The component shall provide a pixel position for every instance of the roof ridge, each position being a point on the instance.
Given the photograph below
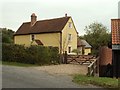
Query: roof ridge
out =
(26, 22)
(50, 19)
(116, 19)
(54, 18)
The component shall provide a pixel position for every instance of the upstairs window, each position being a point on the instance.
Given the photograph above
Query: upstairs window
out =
(69, 49)
(69, 37)
(32, 37)
(70, 24)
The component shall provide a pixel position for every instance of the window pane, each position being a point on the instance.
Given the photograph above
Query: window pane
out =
(69, 36)
(33, 37)
(70, 25)
(69, 49)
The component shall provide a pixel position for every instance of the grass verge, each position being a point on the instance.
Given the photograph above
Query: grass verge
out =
(17, 64)
(0, 62)
(98, 81)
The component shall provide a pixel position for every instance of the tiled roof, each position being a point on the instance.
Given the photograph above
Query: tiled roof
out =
(115, 27)
(83, 43)
(38, 42)
(43, 26)
(79, 43)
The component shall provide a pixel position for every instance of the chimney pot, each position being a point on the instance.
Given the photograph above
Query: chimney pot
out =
(33, 19)
(66, 15)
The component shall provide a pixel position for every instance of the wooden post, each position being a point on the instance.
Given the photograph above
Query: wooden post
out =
(98, 66)
(88, 71)
(83, 49)
(65, 57)
(61, 57)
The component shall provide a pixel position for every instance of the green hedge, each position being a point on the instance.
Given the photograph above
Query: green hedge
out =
(32, 55)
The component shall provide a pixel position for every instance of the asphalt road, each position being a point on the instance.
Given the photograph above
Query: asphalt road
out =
(28, 77)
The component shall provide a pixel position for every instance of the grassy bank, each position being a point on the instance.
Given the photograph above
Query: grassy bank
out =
(98, 81)
(17, 64)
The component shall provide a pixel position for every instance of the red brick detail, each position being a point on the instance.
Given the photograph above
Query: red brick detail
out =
(105, 56)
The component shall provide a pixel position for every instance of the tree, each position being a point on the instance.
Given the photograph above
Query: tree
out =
(7, 35)
(81, 37)
(97, 35)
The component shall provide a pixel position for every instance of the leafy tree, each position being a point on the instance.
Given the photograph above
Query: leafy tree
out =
(97, 35)
(81, 37)
(7, 35)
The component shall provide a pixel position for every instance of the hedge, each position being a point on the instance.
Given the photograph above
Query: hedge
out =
(32, 55)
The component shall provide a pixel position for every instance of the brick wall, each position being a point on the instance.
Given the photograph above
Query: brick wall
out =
(105, 56)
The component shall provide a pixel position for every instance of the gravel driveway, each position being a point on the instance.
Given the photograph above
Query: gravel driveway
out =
(64, 69)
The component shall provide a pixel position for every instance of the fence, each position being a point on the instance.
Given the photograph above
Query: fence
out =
(93, 68)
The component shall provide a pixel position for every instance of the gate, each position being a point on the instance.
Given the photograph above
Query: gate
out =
(92, 61)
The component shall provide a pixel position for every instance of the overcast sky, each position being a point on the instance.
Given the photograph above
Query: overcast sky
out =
(83, 12)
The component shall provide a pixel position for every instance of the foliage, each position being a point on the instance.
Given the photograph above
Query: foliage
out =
(17, 64)
(32, 55)
(99, 81)
(76, 51)
(7, 35)
(81, 37)
(97, 35)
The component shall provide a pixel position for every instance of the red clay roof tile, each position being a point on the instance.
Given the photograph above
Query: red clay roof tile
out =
(115, 27)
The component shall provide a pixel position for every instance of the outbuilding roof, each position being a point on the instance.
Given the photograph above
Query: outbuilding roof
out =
(81, 42)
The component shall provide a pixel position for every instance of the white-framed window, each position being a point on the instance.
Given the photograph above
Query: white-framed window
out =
(32, 37)
(69, 49)
(70, 24)
(69, 37)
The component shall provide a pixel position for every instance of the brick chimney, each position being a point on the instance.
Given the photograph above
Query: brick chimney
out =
(66, 15)
(33, 19)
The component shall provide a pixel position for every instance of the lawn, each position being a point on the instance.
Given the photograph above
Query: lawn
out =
(17, 64)
(98, 81)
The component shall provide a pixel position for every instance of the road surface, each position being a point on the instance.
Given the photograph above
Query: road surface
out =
(29, 77)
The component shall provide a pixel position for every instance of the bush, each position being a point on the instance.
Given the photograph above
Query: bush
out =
(32, 55)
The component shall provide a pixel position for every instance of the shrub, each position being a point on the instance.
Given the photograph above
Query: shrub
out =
(77, 51)
(33, 55)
